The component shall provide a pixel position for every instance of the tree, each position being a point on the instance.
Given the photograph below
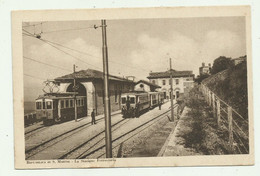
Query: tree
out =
(201, 78)
(221, 63)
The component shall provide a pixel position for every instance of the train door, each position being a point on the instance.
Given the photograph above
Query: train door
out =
(59, 108)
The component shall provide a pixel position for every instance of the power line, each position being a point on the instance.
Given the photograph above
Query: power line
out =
(71, 48)
(35, 77)
(69, 54)
(51, 44)
(34, 24)
(28, 33)
(62, 50)
(65, 30)
(92, 55)
(46, 64)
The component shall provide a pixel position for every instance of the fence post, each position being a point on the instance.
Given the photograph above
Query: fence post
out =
(218, 112)
(209, 98)
(230, 127)
(213, 105)
(207, 95)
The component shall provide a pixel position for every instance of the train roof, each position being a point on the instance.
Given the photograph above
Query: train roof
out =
(58, 95)
(136, 93)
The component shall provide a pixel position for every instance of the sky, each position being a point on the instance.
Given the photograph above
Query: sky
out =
(135, 46)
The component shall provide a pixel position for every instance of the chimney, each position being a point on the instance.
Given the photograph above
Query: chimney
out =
(203, 64)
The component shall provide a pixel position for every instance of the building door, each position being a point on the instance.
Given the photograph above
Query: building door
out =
(177, 94)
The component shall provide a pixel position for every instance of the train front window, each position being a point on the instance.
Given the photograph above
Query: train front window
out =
(43, 105)
(48, 105)
(67, 103)
(123, 100)
(71, 103)
(62, 103)
(132, 100)
(38, 105)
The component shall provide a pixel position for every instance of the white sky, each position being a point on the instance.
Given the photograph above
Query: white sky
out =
(135, 47)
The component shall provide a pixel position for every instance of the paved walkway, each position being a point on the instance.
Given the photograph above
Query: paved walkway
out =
(173, 145)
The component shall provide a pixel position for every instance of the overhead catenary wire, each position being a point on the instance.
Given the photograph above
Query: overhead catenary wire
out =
(77, 58)
(65, 30)
(55, 43)
(58, 44)
(35, 77)
(46, 63)
(34, 24)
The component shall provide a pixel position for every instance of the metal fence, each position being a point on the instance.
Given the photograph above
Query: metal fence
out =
(30, 118)
(229, 120)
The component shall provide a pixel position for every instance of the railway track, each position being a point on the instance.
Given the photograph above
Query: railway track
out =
(34, 131)
(50, 142)
(99, 144)
(96, 137)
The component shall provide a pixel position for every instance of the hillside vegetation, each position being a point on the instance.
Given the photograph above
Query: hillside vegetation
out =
(231, 86)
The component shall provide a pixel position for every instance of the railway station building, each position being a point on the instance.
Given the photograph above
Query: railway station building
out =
(146, 86)
(90, 84)
(183, 81)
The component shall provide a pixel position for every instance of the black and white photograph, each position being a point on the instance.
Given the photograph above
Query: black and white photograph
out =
(141, 91)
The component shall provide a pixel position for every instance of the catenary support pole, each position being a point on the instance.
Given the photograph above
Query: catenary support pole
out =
(171, 90)
(75, 98)
(106, 98)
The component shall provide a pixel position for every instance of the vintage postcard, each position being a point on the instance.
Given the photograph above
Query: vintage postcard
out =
(132, 87)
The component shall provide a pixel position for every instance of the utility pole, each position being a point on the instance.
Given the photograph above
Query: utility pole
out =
(75, 89)
(171, 95)
(106, 86)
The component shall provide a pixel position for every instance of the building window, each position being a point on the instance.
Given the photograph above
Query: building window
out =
(177, 81)
(153, 81)
(163, 82)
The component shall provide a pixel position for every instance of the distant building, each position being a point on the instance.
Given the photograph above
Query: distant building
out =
(146, 86)
(182, 81)
(204, 69)
(90, 84)
(132, 78)
(239, 60)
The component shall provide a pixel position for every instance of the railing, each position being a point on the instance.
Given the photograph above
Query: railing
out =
(228, 119)
(30, 118)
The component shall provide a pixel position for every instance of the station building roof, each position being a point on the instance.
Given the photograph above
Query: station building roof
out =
(166, 74)
(148, 83)
(89, 74)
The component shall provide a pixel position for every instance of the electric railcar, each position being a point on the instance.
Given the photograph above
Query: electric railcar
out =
(54, 108)
(133, 104)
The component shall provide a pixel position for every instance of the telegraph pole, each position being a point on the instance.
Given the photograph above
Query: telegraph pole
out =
(106, 86)
(171, 95)
(75, 98)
